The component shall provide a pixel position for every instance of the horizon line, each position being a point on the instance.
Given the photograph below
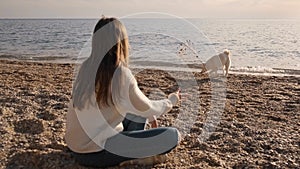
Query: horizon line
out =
(92, 18)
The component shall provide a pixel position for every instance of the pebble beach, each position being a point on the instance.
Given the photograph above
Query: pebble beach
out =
(258, 128)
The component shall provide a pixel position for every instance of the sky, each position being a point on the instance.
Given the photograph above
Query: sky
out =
(121, 8)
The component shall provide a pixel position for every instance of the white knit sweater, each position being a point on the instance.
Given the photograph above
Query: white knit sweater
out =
(89, 128)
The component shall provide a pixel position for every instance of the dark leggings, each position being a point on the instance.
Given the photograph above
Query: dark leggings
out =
(133, 142)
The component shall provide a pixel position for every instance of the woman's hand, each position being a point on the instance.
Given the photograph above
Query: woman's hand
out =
(175, 97)
(154, 124)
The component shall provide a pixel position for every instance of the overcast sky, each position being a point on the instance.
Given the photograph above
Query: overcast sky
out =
(119, 8)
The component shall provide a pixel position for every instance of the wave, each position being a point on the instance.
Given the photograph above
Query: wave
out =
(253, 70)
(162, 65)
(259, 70)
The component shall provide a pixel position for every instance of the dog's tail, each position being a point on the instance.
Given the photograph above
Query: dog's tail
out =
(227, 52)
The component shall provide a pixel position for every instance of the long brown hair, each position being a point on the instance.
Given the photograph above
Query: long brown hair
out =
(109, 50)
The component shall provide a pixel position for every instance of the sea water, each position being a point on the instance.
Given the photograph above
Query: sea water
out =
(256, 45)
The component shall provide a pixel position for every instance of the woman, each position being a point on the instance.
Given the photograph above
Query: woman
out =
(108, 112)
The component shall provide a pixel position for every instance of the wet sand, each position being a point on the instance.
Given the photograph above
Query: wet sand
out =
(258, 128)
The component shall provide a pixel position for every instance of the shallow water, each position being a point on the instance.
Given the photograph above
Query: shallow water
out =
(257, 45)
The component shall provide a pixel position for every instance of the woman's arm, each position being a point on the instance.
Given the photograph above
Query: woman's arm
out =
(128, 98)
(145, 107)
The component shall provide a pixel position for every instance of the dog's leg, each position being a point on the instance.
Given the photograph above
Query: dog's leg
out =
(226, 74)
(223, 69)
(227, 66)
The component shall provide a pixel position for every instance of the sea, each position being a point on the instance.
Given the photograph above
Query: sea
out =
(257, 46)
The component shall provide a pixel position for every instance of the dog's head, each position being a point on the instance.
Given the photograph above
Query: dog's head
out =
(226, 52)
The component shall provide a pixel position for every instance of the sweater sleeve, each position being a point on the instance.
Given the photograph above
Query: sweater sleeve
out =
(133, 100)
(145, 107)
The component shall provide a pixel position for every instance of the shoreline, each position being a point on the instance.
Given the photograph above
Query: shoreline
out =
(249, 70)
(258, 127)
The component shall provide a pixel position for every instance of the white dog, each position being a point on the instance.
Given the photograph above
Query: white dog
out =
(216, 62)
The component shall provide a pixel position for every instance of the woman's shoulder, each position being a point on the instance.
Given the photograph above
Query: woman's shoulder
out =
(123, 75)
(124, 71)
(124, 68)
